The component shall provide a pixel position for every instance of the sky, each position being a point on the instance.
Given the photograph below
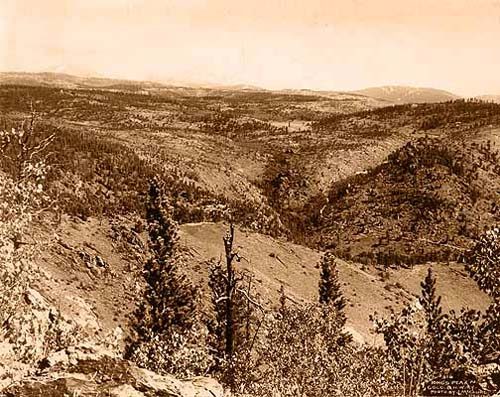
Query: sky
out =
(275, 44)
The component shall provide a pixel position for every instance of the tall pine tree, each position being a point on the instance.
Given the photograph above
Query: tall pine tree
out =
(437, 335)
(331, 297)
(170, 296)
(167, 313)
(329, 286)
(431, 302)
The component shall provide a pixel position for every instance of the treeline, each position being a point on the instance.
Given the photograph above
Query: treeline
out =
(224, 124)
(456, 114)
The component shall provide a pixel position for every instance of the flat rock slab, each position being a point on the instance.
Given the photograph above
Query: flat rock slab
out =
(104, 376)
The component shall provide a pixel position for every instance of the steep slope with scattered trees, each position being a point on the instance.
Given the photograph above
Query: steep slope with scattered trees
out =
(427, 202)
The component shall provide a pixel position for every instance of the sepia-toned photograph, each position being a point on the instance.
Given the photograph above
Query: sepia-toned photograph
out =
(265, 198)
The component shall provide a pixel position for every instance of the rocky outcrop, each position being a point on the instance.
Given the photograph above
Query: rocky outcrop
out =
(488, 376)
(90, 371)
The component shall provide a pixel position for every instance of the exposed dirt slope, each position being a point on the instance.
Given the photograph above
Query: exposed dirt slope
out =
(91, 272)
(275, 263)
(100, 298)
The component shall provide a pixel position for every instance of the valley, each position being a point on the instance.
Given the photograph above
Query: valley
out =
(391, 187)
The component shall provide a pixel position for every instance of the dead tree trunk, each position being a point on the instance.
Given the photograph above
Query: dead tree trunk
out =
(230, 286)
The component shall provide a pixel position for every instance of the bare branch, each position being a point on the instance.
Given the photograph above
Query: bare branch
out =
(255, 303)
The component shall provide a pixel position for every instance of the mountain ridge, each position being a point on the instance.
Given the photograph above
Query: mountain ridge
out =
(407, 94)
(390, 94)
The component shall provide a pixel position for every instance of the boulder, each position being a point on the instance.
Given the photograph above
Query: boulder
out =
(88, 370)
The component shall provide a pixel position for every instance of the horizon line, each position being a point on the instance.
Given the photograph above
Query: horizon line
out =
(214, 85)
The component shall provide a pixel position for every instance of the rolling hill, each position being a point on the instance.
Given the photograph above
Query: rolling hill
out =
(375, 96)
(401, 94)
(62, 80)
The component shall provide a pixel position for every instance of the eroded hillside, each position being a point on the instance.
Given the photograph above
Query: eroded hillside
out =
(441, 193)
(91, 271)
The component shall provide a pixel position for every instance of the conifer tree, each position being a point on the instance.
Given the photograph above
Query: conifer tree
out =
(437, 335)
(170, 296)
(431, 303)
(282, 306)
(483, 262)
(167, 316)
(332, 300)
(329, 287)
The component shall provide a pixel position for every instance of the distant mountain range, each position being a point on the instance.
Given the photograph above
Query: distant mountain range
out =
(388, 94)
(401, 94)
(69, 81)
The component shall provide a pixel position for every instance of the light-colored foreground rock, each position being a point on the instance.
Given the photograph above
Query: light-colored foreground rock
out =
(88, 371)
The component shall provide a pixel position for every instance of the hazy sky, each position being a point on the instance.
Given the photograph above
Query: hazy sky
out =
(318, 44)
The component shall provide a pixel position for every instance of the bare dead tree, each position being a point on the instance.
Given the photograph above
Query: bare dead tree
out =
(235, 328)
(24, 147)
(230, 287)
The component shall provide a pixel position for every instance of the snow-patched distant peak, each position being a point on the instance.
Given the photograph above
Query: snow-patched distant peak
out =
(401, 94)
